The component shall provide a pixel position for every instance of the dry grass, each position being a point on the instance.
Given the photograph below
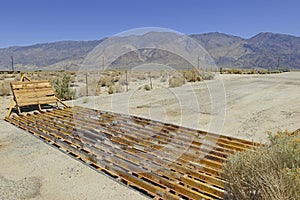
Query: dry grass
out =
(122, 80)
(192, 75)
(106, 81)
(164, 77)
(176, 81)
(119, 88)
(251, 71)
(112, 89)
(270, 172)
(112, 81)
(141, 76)
(207, 75)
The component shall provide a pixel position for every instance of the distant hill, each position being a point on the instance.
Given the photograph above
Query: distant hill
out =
(56, 55)
(260, 51)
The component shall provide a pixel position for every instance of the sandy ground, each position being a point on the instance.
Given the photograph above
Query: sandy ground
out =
(255, 104)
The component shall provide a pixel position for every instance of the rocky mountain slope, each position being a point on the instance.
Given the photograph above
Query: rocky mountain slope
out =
(260, 51)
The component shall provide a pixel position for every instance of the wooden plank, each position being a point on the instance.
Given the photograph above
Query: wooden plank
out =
(28, 82)
(34, 91)
(11, 106)
(153, 144)
(128, 143)
(122, 146)
(35, 98)
(27, 93)
(21, 99)
(150, 145)
(137, 160)
(136, 181)
(212, 166)
(31, 84)
(185, 130)
(36, 101)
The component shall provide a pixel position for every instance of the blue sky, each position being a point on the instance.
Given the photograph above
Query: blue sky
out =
(25, 22)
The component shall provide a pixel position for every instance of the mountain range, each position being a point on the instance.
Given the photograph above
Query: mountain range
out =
(264, 50)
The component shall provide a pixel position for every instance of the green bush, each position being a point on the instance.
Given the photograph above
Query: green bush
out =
(62, 88)
(269, 172)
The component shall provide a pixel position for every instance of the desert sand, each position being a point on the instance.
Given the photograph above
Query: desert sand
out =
(255, 104)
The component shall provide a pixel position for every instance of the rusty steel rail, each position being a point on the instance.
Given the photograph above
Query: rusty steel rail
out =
(161, 160)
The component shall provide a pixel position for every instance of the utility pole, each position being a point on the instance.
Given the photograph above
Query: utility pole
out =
(278, 60)
(12, 63)
(198, 65)
(86, 82)
(103, 63)
(127, 81)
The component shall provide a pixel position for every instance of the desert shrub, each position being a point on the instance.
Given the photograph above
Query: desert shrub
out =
(105, 80)
(119, 88)
(252, 71)
(164, 77)
(192, 76)
(98, 90)
(112, 89)
(207, 75)
(115, 78)
(123, 81)
(147, 87)
(141, 76)
(155, 75)
(114, 73)
(62, 88)
(263, 71)
(269, 172)
(234, 71)
(17, 77)
(115, 89)
(4, 88)
(176, 81)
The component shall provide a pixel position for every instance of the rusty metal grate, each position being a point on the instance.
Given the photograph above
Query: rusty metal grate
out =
(163, 161)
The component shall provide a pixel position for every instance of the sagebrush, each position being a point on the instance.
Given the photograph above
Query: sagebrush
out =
(270, 172)
(62, 88)
(176, 81)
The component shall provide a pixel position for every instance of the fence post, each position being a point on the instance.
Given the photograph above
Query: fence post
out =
(86, 82)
